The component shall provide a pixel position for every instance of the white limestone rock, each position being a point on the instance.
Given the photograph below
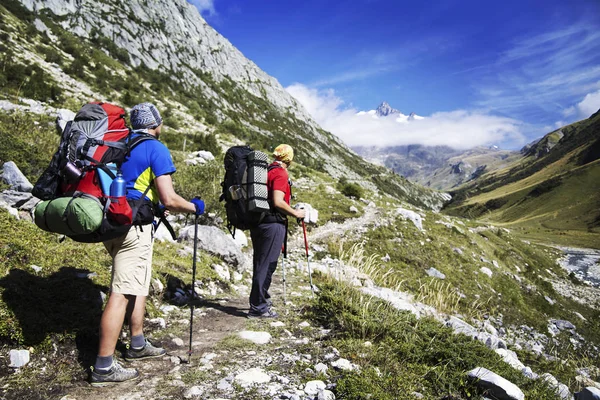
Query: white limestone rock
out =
(19, 358)
(214, 241)
(495, 385)
(411, 216)
(255, 337)
(253, 376)
(312, 388)
(486, 271)
(12, 176)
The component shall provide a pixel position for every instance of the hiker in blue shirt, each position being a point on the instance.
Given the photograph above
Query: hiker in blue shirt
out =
(149, 164)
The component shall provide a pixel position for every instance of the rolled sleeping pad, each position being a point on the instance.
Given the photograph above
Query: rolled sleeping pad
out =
(69, 215)
(255, 179)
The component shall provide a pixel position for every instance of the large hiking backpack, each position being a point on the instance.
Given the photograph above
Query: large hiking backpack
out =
(75, 186)
(245, 187)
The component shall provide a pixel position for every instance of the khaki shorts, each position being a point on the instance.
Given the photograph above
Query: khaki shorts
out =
(132, 261)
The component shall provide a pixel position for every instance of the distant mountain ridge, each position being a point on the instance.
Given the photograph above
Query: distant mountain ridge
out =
(437, 167)
(553, 184)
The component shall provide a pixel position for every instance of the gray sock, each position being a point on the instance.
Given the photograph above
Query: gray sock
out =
(138, 342)
(103, 363)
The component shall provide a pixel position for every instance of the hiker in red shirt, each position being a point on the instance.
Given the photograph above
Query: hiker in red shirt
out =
(268, 236)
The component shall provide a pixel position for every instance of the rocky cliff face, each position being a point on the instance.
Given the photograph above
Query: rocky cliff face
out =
(171, 36)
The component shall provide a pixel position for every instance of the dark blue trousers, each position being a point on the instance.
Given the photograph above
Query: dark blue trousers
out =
(267, 240)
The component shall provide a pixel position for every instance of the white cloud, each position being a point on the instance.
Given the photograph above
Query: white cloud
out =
(460, 129)
(204, 6)
(546, 72)
(589, 105)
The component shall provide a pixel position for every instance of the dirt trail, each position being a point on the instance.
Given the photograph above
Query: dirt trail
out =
(321, 233)
(213, 321)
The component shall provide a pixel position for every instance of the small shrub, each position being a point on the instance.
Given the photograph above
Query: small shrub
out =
(352, 190)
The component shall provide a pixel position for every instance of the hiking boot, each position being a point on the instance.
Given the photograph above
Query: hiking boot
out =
(148, 351)
(267, 314)
(116, 374)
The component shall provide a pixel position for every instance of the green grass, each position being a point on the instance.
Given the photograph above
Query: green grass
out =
(33, 140)
(60, 300)
(406, 354)
(412, 253)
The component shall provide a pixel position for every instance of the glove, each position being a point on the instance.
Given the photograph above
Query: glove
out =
(199, 203)
(160, 210)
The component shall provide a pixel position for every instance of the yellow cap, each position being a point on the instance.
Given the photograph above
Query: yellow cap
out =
(284, 152)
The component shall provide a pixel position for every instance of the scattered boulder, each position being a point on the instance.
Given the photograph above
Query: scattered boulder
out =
(561, 389)
(36, 268)
(14, 198)
(255, 337)
(321, 368)
(12, 211)
(222, 272)
(12, 176)
(511, 358)
(343, 364)
(495, 385)
(19, 358)
(214, 241)
(353, 209)
(62, 117)
(312, 388)
(162, 234)
(326, 395)
(486, 271)
(199, 157)
(240, 238)
(460, 326)
(194, 391)
(252, 376)
(434, 273)
(412, 216)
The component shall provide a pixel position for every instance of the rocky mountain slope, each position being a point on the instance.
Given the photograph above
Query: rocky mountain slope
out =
(439, 167)
(63, 53)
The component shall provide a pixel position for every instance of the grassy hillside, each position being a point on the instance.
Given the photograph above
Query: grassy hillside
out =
(551, 193)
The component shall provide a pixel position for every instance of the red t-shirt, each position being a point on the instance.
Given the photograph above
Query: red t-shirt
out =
(277, 179)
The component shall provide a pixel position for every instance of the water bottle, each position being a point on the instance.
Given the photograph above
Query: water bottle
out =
(118, 187)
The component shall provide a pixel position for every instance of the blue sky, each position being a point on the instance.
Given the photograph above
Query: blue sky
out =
(502, 72)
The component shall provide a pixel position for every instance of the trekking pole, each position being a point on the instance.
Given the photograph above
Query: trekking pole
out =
(283, 269)
(312, 288)
(193, 287)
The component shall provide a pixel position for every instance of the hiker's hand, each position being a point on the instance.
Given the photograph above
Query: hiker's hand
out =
(300, 213)
(199, 204)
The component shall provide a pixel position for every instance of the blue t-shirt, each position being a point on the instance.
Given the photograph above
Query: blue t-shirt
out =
(147, 160)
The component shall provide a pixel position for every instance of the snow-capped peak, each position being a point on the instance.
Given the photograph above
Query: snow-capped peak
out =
(385, 109)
